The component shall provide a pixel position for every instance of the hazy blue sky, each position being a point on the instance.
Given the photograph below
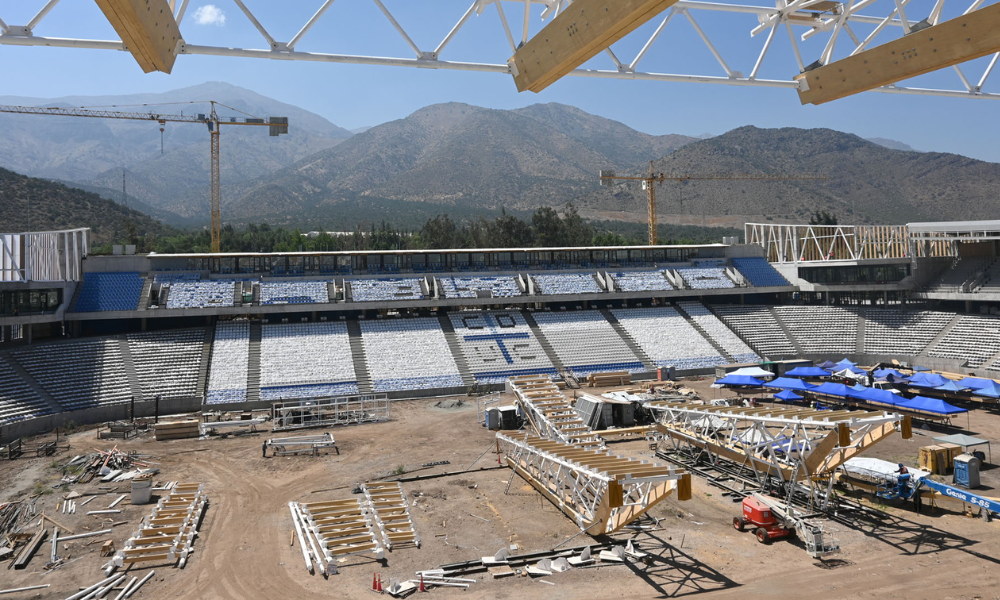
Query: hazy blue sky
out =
(353, 96)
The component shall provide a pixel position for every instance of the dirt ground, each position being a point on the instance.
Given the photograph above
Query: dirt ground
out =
(243, 550)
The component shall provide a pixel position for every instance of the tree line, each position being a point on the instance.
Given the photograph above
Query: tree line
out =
(546, 227)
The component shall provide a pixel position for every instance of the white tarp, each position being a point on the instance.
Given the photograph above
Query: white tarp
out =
(752, 372)
(879, 470)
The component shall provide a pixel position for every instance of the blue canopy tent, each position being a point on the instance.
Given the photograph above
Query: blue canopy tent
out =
(831, 389)
(990, 391)
(931, 405)
(927, 380)
(976, 383)
(874, 395)
(885, 373)
(844, 364)
(789, 383)
(740, 380)
(826, 364)
(807, 372)
(949, 386)
(851, 368)
(787, 395)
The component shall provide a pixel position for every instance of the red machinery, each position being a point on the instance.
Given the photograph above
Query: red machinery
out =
(759, 516)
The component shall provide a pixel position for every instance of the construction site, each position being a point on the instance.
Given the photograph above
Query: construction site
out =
(461, 515)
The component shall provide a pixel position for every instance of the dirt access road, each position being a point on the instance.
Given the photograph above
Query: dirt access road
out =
(244, 551)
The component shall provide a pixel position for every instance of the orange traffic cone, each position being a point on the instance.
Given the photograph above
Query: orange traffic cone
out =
(421, 589)
(375, 582)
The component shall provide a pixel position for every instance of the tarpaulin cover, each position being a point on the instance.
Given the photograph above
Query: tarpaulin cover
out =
(789, 383)
(807, 372)
(739, 380)
(883, 373)
(929, 380)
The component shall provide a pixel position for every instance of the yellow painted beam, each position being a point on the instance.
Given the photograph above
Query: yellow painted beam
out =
(582, 30)
(148, 29)
(950, 43)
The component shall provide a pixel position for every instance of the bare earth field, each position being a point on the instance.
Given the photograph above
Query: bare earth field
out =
(243, 550)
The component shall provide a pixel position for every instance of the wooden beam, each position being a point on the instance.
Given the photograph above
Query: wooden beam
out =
(955, 41)
(148, 30)
(575, 36)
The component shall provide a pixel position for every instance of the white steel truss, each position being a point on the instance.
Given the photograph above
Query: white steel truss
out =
(818, 32)
(325, 412)
(549, 413)
(794, 446)
(600, 491)
(784, 243)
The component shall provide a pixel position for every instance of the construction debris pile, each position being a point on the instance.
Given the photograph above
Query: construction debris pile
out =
(369, 526)
(14, 516)
(111, 466)
(167, 534)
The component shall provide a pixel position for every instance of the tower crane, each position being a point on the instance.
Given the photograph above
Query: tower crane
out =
(277, 125)
(608, 177)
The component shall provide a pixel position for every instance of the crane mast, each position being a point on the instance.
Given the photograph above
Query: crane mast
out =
(608, 177)
(277, 126)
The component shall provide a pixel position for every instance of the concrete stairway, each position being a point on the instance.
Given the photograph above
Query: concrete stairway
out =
(468, 379)
(718, 347)
(331, 291)
(253, 363)
(937, 339)
(862, 323)
(358, 355)
(544, 343)
(788, 332)
(646, 361)
(238, 294)
(206, 361)
(36, 387)
(130, 372)
(147, 284)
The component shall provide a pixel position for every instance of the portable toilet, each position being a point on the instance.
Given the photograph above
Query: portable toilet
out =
(967, 471)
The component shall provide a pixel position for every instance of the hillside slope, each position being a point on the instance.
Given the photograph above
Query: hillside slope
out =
(31, 204)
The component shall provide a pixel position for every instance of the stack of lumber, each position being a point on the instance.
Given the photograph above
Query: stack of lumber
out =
(609, 379)
(392, 515)
(176, 430)
(166, 535)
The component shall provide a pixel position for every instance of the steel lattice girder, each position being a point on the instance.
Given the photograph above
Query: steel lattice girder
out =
(793, 444)
(600, 491)
(549, 413)
(821, 30)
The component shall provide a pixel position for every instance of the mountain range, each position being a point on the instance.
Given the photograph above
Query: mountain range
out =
(466, 161)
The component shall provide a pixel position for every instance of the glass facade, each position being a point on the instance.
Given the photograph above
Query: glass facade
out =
(855, 274)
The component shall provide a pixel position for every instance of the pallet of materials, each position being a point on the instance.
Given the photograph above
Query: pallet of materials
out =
(176, 430)
(609, 379)
(168, 532)
(330, 530)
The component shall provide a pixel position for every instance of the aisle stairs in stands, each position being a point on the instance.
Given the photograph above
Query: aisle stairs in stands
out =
(859, 345)
(544, 343)
(129, 365)
(331, 291)
(358, 356)
(788, 332)
(147, 285)
(253, 363)
(646, 362)
(701, 330)
(944, 332)
(468, 379)
(206, 360)
(54, 405)
(238, 294)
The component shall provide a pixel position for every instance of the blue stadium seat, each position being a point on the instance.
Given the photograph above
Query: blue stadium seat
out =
(109, 291)
(759, 272)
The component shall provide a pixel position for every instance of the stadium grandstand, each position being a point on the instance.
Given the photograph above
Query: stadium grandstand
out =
(87, 337)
